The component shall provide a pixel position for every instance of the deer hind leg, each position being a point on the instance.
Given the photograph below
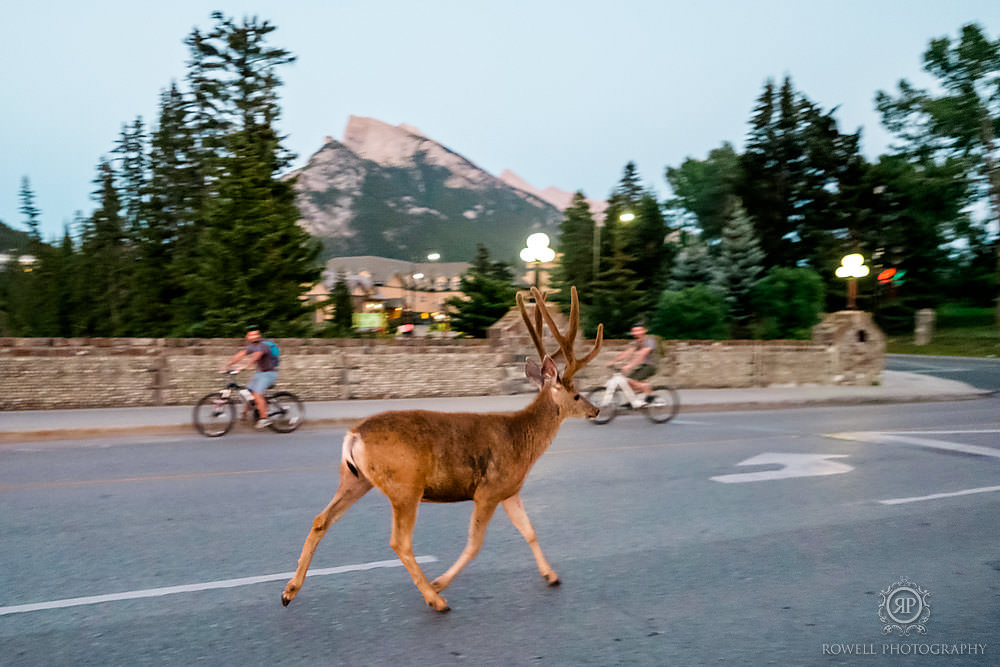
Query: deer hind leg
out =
(515, 510)
(481, 515)
(351, 488)
(404, 517)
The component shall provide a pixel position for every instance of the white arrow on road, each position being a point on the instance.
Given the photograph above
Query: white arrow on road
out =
(792, 465)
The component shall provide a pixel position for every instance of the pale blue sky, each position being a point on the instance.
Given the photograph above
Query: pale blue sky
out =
(563, 93)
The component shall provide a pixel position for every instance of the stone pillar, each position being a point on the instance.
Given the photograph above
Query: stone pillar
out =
(924, 330)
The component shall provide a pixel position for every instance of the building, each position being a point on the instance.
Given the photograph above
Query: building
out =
(384, 289)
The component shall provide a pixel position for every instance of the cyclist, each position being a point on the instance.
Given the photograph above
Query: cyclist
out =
(638, 361)
(257, 352)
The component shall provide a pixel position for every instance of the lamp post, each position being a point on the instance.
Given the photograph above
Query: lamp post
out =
(851, 268)
(537, 250)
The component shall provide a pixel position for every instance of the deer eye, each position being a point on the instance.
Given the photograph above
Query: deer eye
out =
(577, 397)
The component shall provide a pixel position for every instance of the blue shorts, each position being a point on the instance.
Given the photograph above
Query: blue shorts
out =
(261, 380)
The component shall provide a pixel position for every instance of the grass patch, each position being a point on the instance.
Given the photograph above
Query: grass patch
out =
(961, 331)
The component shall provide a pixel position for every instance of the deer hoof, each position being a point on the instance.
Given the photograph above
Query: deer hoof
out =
(552, 578)
(285, 600)
(439, 604)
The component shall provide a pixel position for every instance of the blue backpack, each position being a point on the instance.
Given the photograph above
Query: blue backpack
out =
(275, 352)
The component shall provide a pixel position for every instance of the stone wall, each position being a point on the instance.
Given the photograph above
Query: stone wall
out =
(40, 373)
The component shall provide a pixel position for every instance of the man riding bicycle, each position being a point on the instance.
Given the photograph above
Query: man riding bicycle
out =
(259, 352)
(639, 360)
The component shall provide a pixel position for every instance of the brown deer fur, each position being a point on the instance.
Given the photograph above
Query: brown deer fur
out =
(416, 456)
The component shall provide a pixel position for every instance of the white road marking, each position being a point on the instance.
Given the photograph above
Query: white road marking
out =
(793, 465)
(902, 438)
(206, 586)
(936, 496)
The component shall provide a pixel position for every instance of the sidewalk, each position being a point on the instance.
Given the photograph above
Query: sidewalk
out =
(896, 387)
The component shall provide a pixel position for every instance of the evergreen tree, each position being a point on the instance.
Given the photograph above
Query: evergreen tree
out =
(488, 296)
(617, 299)
(795, 166)
(740, 266)
(132, 175)
(32, 308)
(252, 260)
(104, 261)
(645, 242)
(624, 200)
(575, 265)
(167, 243)
(692, 266)
(30, 211)
(342, 324)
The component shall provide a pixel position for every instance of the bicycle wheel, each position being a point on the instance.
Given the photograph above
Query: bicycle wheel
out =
(606, 412)
(214, 415)
(664, 405)
(285, 411)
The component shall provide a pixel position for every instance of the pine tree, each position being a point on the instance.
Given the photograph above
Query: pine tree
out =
(30, 211)
(132, 175)
(645, 242)
(252, 260)
(342, 324)
(617, 300)
(575, 265)
(167, 244)
(740, 266)
(488, 296)
(692, 266)
(104, 261)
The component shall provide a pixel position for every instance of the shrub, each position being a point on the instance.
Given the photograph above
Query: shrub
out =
(697, 312)
(787, 303)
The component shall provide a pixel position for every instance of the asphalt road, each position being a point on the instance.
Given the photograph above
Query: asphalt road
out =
(670, 551)
(979, 372)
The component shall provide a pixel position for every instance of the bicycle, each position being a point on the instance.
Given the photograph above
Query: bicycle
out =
(215, 414)
(660, 405)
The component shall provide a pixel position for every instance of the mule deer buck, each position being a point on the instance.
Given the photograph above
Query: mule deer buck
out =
(416, 456)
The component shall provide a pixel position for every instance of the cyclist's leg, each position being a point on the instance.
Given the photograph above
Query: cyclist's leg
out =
(258, 384)
(636, 379)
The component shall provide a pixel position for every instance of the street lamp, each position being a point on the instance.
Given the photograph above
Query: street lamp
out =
(851, 268)
(537, 250)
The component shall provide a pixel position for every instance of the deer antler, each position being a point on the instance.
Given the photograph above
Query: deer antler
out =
(534, 330)
(565, 341)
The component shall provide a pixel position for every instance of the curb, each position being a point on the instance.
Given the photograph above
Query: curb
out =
(74, 433)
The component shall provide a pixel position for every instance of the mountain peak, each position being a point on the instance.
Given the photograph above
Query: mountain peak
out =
(387, 145)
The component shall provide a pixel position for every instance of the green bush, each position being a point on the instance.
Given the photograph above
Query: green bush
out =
(693, 313)
(787, 303)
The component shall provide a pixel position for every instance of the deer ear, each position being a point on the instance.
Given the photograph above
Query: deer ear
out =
(533, 373)
(550, 372)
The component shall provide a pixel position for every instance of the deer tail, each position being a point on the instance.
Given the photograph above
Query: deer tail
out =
(351, 443)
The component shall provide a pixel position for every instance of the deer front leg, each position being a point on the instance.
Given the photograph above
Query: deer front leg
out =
(481, 515)
(350, 490)
(404, 517)
(515, 510)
